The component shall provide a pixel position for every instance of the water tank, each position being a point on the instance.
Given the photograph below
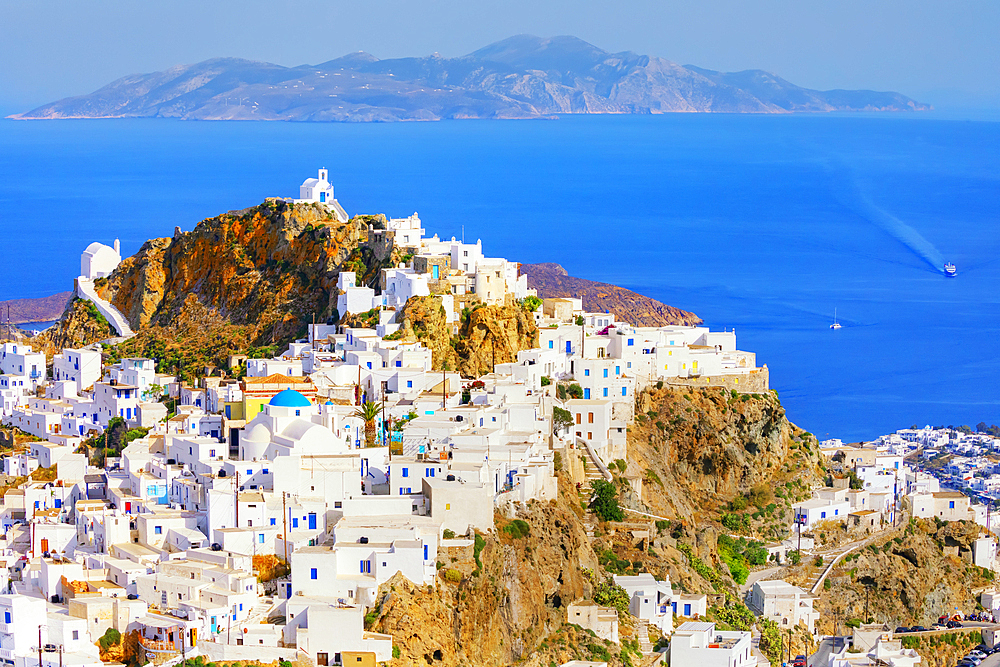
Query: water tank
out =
(450, 478)
(363, 540)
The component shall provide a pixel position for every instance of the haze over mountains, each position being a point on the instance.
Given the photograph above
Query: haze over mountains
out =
(519, 77)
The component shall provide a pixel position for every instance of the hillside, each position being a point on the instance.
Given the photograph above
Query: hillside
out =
(552, 280)
(44, 309)
(519, 77)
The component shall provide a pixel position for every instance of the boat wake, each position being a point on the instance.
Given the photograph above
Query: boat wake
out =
(902, 232)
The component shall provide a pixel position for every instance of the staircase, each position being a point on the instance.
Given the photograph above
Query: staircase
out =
(85, 290)
(642, 630)
(594, 468)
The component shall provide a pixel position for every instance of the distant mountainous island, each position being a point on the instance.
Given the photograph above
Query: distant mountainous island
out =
(519, 77)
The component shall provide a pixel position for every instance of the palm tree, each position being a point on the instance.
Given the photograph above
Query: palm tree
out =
(368, 412)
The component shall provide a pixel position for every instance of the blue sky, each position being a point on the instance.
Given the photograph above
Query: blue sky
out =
(943, 52)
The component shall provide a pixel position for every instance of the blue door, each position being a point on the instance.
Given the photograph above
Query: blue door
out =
(214, 625)
(569, 347)
(586, 394)
(687, 610)
(312, 521)
(434, 272)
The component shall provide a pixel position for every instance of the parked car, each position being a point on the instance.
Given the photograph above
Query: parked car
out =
(799, 661)
(975, 660)
(901, 629)
(954, 624)
(918, 628)
(978, 654)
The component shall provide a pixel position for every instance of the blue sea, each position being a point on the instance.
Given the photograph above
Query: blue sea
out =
(765, 224)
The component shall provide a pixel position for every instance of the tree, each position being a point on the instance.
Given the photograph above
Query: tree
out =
(531, 303)
(153, 393)
(579, 320)
(604, 502)
(368, 412)
(561, 419)
(575, 391)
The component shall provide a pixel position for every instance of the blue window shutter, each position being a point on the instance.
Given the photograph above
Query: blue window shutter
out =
(399, 364)
(406, 472)
(425, 552)
(586, 372)
(551, 344)
(605, 392)
(586, 393)
(631, 342)
(313, 574)
(605, 372)
(295, 522)
(569, 347)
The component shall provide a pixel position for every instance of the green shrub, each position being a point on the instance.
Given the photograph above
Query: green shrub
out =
(452, 575)
(480, 542)
(449, 534)
(605, 501)
(517, 529)
(110, 638)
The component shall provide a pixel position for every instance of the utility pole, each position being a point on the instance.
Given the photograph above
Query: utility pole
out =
(236, 497)
(60, 655)
(39, 636)
(284, 525)
(444, 389)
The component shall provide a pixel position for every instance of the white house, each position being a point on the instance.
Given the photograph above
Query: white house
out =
(650, 600)
(80, 366)
(319, 191)
(603, 621)
(784, 604)
(700, 644)
(21, 616)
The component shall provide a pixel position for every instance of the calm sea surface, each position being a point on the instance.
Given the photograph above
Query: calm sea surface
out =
(762, 223)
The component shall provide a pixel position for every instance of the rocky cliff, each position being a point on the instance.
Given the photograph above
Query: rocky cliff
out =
(270, 267)
(80, 325)
(510, 608)
(701, 447)
(910, 577)
(486, 334)
(552, 280)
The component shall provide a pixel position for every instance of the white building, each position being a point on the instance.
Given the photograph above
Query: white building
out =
(786, 605)
(320, 191)
(700, 644)
(99, 260)
(79, 366)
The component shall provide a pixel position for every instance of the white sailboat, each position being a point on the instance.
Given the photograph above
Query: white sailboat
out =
(836, 324)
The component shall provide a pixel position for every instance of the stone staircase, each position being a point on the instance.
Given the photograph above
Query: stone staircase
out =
(642, 630)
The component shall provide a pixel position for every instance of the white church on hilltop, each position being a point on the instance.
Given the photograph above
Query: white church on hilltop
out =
(319, 191)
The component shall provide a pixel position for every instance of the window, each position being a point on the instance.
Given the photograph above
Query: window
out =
(366, 567)
(551, 344)
(631, 342)
(579, 417)
(429, 472)
(273, 521)
(590, 417)
(624, 391)
(295, 522)
(157, 530)
(590, 436)
(951, 504)
(298, 413)
(399, 363)
(249, 472)
(605, 372)
(447, 506)
(76, 634)
(586, 372)
(6, 617)
(369, 364)
(211, 453)
(313, 574)
(605, 392)
(425, 557)
(406, 472)
(822, 515)
(409, 384)
(260, 538)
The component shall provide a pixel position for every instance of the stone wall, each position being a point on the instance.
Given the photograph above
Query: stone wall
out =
(756, 381)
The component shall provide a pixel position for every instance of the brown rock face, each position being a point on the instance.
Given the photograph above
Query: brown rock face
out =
(271, 267)
(707, 446)
(486, 335)
(552, 280)
(500, 615)
(80, 325)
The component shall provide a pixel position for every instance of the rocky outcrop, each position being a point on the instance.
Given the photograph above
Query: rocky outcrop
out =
(913, 576)
(705, 446)
(81, 325)
(510, 610)
(552, 280)
(486, 334)
(270, 268)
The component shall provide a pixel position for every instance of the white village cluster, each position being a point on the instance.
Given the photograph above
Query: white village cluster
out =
(162, 539)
